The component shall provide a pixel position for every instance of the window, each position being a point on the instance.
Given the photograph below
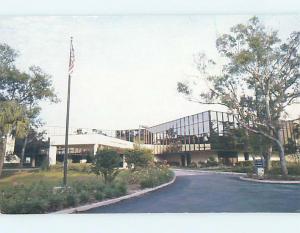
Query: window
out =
(205, 116)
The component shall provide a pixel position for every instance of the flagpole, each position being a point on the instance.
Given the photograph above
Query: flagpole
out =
(67, 126)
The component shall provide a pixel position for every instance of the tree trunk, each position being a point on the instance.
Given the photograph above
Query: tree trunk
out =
(269, 118)
(283, 166)
(246, 146)
(268, 156)
(23, 151)
(2, 153)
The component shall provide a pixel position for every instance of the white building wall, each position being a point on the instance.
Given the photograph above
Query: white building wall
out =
(52, 155)
(97, 140)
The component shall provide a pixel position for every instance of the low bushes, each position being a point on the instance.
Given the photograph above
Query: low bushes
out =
(293, 168)
(155, 176)
(41, 197)
(243, 167)
(148, 177)
(192, 165)
(211, 162)
(138, 158)
(76, 167)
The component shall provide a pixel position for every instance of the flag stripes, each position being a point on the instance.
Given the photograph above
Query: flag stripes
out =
(72, 58)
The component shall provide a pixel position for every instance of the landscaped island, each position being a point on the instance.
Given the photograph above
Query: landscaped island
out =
(41, 191)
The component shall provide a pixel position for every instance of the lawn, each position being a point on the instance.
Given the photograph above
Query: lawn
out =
(50, 177)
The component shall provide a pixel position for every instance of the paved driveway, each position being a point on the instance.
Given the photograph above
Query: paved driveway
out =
(195, 192)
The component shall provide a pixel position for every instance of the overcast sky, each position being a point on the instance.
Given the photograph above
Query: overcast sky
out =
(127, 66)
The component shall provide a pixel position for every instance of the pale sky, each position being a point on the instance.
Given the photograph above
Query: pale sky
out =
(127, 66)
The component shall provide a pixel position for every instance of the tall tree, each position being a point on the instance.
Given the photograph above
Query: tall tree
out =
(259, 79)
(12, 122)
(27, 89)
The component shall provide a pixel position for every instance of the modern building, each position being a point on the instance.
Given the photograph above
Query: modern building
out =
(190, 139)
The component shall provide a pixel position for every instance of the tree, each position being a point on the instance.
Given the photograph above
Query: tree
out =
(106, 163)
(27, 89)
(140, 158)
(12, 121)
(35, 144)
(259, 79)
(174, 144)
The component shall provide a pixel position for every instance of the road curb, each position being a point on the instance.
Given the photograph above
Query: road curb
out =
(112, 201)
(271, 181)
(214, 172)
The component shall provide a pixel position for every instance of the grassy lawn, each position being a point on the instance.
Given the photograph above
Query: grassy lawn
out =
(50, 177)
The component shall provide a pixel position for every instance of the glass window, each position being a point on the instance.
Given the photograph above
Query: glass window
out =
(205, 116)
(186, 121)
(196, 129)
(206, 127)
(221, 128)
(214, 126)
(195, 119)
(201, 128)
(200, 118)
(181, 122)
(213, 115)
(230, 118)
(191, 129)
(220, 116)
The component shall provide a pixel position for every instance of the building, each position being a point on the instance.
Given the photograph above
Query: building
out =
(190, 139)
(10, 157)
(82, 147)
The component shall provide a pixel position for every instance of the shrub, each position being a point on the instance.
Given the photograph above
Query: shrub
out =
(192, 165)
(56, 202)
(211, 162)
(244, 164)
(140, 158)
(71, 199)
(42, 197)
(106, 163)
(79, 167)
(84, 196)
(108, 192)
(155, 176)
(174, 164)
(99, 195)
(120, 188)
(293, 168)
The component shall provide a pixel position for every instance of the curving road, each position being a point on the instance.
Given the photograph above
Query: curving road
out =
(195, 192)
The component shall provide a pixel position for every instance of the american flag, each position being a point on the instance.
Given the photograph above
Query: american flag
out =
(72, 58)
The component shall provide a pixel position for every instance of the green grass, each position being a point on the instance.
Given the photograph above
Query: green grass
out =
(51, 177)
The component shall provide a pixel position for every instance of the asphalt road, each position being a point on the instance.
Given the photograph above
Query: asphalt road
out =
(195, 192)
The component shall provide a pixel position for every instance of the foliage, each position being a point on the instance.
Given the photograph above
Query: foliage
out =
(174, 164)
(211, 162)
(12, 121)
(20, 96)
(41, 192)
(140, 158)
(294, 169)
(41, 197)
(155, 176)
(259, 79)
(193, 165)
(106, 163)
(174, 141)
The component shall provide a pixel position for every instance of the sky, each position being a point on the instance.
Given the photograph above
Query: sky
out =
(127, 66)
